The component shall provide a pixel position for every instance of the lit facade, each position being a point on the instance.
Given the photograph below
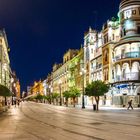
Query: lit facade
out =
(67, 75)
(113, 55)
(37, 88)
(62, 76)
(127, 53)
(5, 70)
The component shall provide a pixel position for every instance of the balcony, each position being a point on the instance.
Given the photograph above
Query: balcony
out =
(128, 77)
(128, 55)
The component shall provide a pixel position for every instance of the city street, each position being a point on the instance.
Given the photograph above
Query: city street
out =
(35, 121)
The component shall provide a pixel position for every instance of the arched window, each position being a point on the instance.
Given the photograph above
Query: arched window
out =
(118, 73)
(135, 72)
(126, 71)
(135, 67)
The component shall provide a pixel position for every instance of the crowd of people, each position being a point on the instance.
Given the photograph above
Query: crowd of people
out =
(15, 102)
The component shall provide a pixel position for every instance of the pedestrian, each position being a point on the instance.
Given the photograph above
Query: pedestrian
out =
(9, 103)
(130, 105)
(18, 102)
(15, 102)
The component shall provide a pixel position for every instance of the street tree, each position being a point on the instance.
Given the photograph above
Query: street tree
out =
(96, 89)
(39, 97)
(67, 95)
(55, 96)
(5, 92)
(48, 98)
(74, 93)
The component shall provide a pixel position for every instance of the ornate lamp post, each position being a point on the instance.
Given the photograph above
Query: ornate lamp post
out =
(83, 72)
(60, 82)
(139, 99)
(12, 86)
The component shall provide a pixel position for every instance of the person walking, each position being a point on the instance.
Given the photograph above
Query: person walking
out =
(18, 102)
(15, 102)
(9, 103)
(130, 105)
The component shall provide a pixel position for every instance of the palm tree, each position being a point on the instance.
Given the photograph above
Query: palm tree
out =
(96, 89)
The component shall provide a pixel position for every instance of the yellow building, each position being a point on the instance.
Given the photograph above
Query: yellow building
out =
(37, 88)
(67, 75)
(18, 94)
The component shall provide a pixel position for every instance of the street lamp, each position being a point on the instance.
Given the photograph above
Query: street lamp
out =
(12, 81)
(60, 82)
(83, 72)
(139, 99)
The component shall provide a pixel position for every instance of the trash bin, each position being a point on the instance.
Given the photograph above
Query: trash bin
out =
(94, 107)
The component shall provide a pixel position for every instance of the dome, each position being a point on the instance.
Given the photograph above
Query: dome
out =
(126, 3)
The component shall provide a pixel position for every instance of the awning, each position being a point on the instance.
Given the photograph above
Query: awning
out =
(4, 91)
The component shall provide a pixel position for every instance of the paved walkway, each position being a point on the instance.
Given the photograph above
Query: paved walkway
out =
(36, 121)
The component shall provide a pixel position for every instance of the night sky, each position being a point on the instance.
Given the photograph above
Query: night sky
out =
(39, 32)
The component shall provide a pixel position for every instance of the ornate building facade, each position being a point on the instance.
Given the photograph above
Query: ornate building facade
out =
(127, 52)
(5, 70)
(111, 55)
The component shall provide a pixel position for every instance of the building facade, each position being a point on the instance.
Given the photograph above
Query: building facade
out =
(5, 70)
(111, 55)
(127, 53)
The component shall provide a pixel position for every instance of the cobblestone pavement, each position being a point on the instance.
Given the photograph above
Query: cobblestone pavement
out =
(34, 121)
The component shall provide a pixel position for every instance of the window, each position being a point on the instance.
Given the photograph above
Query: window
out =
(107, 75)
(139, 10)
(112, 74)
(124, 31)
(105, 38)
(106, 56)
(123, 53)
(113, 36)
(138, 29)
(133, 12)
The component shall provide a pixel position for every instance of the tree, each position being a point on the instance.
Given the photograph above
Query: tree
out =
(48, 98)
(96, 89)
(55, 96)
(67, 95)
(39, 97)
(4, 91)
(74, 92)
